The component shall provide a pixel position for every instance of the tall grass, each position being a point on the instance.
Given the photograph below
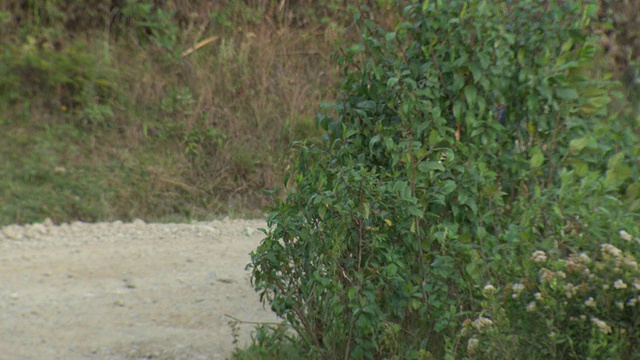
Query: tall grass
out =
(102, 116)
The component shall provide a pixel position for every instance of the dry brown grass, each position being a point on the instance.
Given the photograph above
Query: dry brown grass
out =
(194, 135)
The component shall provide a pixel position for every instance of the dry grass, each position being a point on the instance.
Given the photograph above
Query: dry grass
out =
(161, 136)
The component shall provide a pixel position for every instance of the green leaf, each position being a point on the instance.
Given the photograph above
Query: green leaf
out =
(472, 270)
(392, 269)
(576, 145)
(633, 191)
(404, 191)
(615, 160)
(521, 56)
(545, 91)
(567, 93)
(367, 105)
(448, 187)
(567, 45)
(465, 199)
(475, 71)
(511, 38)
(413, 211)
(434, 138)
(470, 93)
(537, 157)
(366, 209)
(389, 36)
(428, 166)
(595, 104)
(617, 170)
(532, 103)
(457, 109)
(581, 168)
(357, 48)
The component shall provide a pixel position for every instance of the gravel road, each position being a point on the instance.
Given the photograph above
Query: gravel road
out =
(126, 290)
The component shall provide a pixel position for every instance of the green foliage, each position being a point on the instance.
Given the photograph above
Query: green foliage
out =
(152, 25)
(468, 136)
(71, 81)
(270, 342)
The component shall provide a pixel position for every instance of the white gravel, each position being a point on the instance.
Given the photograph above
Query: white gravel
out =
(126, 290)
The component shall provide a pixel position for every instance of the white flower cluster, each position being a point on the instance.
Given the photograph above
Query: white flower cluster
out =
(627, 237)
(601, 325)
(539, 256)
(619, 284)
(517, 289)
(482, 322)
(488, 290)
(570, 290)
(472, 346)
(590, 303)
(611, 250)
(531, 306)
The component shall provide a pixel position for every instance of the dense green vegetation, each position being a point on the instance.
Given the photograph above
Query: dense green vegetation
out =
(478, 196)
(469, 189)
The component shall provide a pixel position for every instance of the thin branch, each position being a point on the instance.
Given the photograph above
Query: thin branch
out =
(255, 322)
(199, 45)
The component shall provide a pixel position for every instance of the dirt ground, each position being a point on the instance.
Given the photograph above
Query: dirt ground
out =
(126, 291)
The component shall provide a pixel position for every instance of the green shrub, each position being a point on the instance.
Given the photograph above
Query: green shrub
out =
(469, 136)
(581, 306)
(69, 80)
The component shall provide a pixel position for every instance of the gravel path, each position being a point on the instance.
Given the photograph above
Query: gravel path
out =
(126, 291)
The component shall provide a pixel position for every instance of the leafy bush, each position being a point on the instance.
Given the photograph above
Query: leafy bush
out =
(582, 306)
(69, 80)
(469, 136)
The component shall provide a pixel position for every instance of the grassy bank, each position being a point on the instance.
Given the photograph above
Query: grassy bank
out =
(119, 109)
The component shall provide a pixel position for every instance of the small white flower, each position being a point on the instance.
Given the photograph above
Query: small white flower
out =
(590, 303)
(620, 305)
(636, 284)
(517, 289)
(632, 302)
(561, 275)
(488, 290)
(605, 286)
(611, 250)
(539, 256)
(632, 264)
(625, 235)
(472, 345)
(619, 284)
(585, 258)
(531, 306)
(538, 296)
(602, 326)
(546, 275)
(482, 322)
(570, 290)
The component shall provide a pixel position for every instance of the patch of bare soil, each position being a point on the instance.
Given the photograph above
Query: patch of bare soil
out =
(126, 291)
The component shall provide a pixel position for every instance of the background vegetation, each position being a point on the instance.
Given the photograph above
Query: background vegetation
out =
(470, 188)
(106, 110)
